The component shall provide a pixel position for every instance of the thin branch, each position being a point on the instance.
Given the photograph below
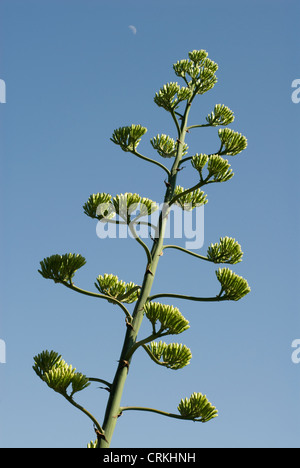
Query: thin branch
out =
(87, 413)
(175, 121)
(200, 126)
(212, 154)
(186, 251)
(101, 296)
(185, 159)
(190, 298)
(133, 222)
(131, 291)
(151, 355)
(143, 342)
(179, 195)
(139, 240)
(153, 410)
(95, 379)
(216, 260)
(151, 160)
(145, 223)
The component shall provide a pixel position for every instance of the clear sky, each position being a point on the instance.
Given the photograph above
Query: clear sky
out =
(74, 71)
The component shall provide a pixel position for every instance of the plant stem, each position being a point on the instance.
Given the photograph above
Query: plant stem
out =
(139, 240)
(181, 195)
(116, 390)
(146, 340)
(151, 160)
(186, 251)
(153, 410)
(101, 296)
(190, 298)
(154, 358)
(95, 379)
(87, 413)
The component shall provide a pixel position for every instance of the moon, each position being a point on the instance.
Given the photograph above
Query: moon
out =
(133, 29)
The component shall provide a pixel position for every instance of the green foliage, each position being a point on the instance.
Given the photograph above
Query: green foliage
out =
(99, 206)
(206, 79)
(57, 374)
(102, 206)
(228, 250)
(126, 204)
(232, 142)
(198, 57)
(218, 169)
(221, 115)
(60, 378)
(46, 361)
(166, 146)
(110, 285)
(199, 161)
(92, 444)
(79, 382)
(190, 200)
(171, 94)
(147, 207)
(200, 69)
(198, 73)
(184, 94)
(61, 268)
(198, 408)
(171, 320)
(234, 287)
(166, 97)
(128, 138)
(174, 356)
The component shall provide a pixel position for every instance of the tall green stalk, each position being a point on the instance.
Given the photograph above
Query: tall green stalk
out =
(198, 73)
(114, 402)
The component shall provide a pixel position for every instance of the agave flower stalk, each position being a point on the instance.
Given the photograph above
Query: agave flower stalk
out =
(198, 73)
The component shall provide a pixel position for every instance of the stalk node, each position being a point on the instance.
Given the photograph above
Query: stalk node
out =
(100, 435)
(128, 324)
(124, 364)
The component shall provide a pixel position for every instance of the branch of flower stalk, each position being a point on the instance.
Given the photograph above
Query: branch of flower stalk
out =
(175, 121)
(139, 240)
(200, 126)
(186, 251)
(101, 296)
(136, 153)
(180, 195)
(87, 413)
(191, 298)
(146, 340)
(134, 221)
(95, 379)
(157, 361)
(211, 154)
(153, 410)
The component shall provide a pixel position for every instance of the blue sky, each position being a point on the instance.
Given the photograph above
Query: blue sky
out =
(74, 72)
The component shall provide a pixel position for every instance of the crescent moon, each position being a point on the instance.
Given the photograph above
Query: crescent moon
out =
(133, 29)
